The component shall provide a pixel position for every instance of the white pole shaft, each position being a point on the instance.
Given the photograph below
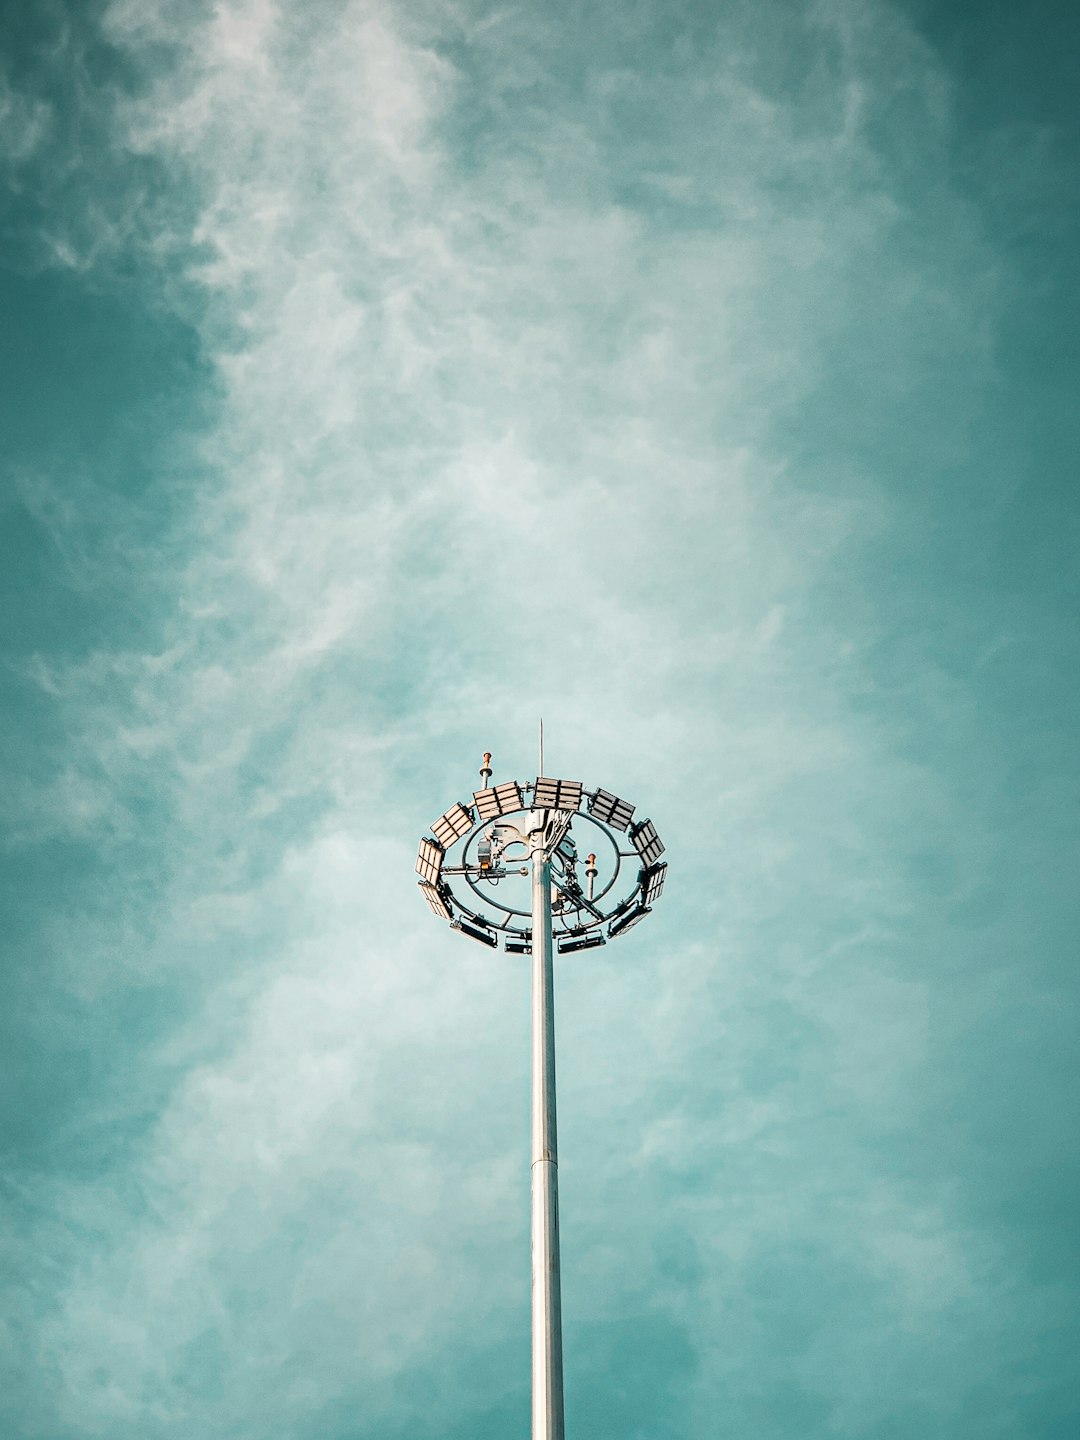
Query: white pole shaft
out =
(547, 1367)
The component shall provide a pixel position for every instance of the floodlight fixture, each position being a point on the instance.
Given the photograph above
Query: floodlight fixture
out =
(438, 898)
(585, 942)
(557, 794)
(647, 842)
(627, 922)
(610, 810)
(474, 932)
(543, 836)
(652, 882)
(500, 800)
(429, 861)
(457, 821)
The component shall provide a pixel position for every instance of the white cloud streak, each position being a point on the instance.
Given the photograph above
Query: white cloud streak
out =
(499, 435)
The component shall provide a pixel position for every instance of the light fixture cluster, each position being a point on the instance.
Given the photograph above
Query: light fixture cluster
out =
(586, 922)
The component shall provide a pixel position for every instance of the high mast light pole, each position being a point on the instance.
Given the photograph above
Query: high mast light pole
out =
(483, 852)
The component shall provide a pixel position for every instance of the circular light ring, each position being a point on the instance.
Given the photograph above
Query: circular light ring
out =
(579, 926)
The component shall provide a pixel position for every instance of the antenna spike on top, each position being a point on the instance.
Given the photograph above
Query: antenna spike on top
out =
(485, 770)
(541, 770)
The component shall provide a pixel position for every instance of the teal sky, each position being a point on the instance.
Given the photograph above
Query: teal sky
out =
(375, 378)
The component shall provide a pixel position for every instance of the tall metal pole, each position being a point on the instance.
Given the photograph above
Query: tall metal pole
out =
(475, 844)
(547, 1366)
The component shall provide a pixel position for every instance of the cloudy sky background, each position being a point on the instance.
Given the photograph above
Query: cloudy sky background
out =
(377, 377)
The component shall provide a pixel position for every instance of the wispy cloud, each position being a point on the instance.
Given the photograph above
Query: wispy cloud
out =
(546, 355)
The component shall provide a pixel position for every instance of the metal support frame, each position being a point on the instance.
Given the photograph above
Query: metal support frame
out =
(547, 1360)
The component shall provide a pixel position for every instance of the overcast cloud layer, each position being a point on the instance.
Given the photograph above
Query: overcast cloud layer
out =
(378, 377)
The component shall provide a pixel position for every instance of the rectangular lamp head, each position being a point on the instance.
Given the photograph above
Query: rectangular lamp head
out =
(500, 800)
(647, 842)
(587, 942)
(437, 898)
(475, 933)
(429, 861)
(652, 881)
(627, 921)
(452, 825)
(610, 810)
(556, 794)
(518, 945)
